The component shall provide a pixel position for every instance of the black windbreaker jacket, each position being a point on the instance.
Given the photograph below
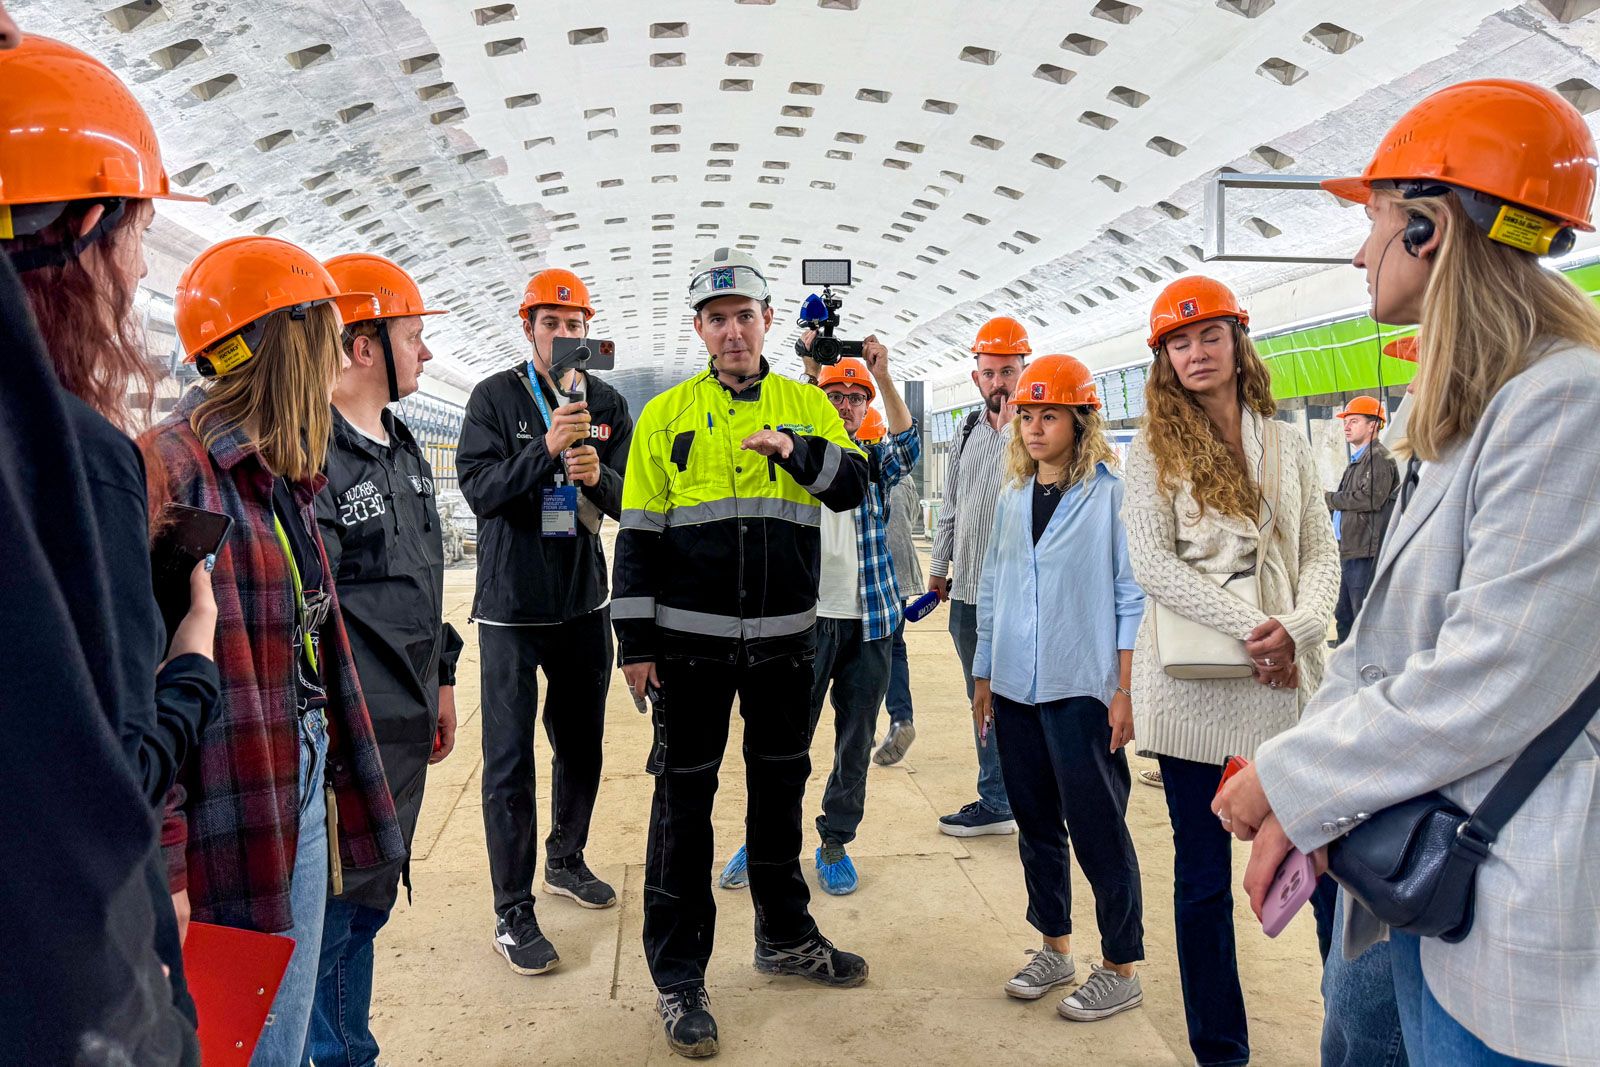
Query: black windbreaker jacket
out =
(502, 464)
(380, 526)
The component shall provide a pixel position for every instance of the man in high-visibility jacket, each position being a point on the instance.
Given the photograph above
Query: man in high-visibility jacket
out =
(715, 594)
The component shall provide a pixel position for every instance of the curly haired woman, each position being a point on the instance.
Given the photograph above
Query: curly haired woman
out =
(1216, 487)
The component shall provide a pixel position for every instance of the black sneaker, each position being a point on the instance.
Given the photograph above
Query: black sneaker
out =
(814, 959)
(579, 883)
(686, 1017)
(517, 937)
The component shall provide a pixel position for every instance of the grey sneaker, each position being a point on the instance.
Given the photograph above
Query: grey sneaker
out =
(896, 743)
(1102, 996)
(1044, 972)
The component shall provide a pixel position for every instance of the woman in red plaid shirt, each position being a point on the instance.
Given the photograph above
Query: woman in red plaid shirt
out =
(250, 825)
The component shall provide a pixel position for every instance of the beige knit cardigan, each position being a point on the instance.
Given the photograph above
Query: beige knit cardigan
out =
(1171, 544)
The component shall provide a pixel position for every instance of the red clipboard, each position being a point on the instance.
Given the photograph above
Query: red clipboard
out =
(233, 976)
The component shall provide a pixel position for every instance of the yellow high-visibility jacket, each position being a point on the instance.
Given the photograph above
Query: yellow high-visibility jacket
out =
(720, 548)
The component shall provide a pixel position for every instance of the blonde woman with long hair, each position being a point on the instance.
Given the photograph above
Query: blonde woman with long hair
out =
(246, 835)
(1218, 489)
(1058, 610)
(1482, 627)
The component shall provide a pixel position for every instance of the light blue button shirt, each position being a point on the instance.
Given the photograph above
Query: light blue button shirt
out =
(1355, 457)
(1053, 616)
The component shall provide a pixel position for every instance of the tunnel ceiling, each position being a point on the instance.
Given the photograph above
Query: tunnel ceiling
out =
(1044, 159)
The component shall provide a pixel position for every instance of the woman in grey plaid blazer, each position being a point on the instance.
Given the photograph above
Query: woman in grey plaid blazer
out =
(1483, 622)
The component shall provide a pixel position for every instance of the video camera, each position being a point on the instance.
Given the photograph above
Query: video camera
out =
(821, 313)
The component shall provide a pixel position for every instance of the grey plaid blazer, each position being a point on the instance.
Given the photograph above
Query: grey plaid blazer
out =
(1482, 624)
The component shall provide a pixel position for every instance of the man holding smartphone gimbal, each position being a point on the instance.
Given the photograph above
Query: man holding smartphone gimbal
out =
(543, 447)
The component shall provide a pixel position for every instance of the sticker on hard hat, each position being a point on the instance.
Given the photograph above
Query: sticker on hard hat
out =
(6, 233)
(1523, 229)
(1038, 390)
(228, 356)
(722, 278)
(563, 293)
(1189, 308)
(849, 372)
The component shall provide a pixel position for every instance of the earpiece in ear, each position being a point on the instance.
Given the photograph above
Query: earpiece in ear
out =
(1418, 232)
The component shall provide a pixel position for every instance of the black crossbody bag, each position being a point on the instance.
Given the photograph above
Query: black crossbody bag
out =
(1415, 865)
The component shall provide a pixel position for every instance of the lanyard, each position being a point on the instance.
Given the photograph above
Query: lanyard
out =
(299, 591)
(538, 394)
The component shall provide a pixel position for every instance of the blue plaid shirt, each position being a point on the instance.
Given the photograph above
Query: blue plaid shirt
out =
(888, 461)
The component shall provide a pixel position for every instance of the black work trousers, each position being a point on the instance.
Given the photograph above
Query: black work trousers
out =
(576, 659)
(691, 733)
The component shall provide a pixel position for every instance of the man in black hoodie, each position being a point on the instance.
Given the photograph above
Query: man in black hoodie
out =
(539, 469)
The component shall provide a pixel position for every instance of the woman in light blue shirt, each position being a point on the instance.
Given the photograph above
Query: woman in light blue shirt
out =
(1058, 612)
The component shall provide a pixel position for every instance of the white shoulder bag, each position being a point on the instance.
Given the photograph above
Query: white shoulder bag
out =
(1192, 650)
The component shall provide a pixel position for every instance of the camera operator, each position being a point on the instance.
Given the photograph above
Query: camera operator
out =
(537, 470)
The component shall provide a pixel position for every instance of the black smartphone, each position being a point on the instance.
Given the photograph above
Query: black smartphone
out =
(184, 536)
(589, 352)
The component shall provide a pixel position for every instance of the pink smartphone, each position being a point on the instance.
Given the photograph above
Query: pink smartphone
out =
(1292, 886)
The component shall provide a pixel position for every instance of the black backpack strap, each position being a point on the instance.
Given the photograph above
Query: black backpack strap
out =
(967, 425)
(1528, 770)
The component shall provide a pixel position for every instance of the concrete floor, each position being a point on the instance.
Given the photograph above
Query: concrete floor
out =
(940, 920)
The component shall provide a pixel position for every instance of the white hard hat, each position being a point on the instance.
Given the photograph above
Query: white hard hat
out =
(726, 272)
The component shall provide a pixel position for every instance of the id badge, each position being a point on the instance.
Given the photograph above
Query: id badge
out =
(559, 511)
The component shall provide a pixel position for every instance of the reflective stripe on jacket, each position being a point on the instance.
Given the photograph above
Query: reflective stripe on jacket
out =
(720, 546)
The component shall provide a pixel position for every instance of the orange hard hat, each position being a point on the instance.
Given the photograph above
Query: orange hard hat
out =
(873, 427)
(1510, 140)
(1193, 298)
(1402, 348)
(1002, 336)
(238, 282)
(1364, 405)
(1059, 380)
(364, 273)
(70, 130)
(558, 288)
(849, 371)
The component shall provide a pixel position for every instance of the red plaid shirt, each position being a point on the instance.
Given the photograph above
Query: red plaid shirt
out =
(232, 822)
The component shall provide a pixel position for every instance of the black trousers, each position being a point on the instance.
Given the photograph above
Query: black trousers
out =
(691, 733)
(576, 659)
(1063, 778)
(1355, 578)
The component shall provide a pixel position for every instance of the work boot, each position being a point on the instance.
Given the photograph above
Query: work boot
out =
(814, 959)
(896, 743)
(686, 1017)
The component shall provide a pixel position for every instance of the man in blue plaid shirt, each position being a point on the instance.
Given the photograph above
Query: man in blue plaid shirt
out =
(858, 608)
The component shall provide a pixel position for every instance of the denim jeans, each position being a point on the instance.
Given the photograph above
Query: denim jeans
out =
(1360, 1024)
(899, 676)
(283, 1040)
(340, 1035)
(1202, 868)
(1433, 1038)
(991, 783)
(857, 673)
(1064, 779)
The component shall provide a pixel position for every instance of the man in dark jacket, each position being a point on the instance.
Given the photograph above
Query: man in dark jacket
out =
(381, 532)
(1361, 506)
(539, 469)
